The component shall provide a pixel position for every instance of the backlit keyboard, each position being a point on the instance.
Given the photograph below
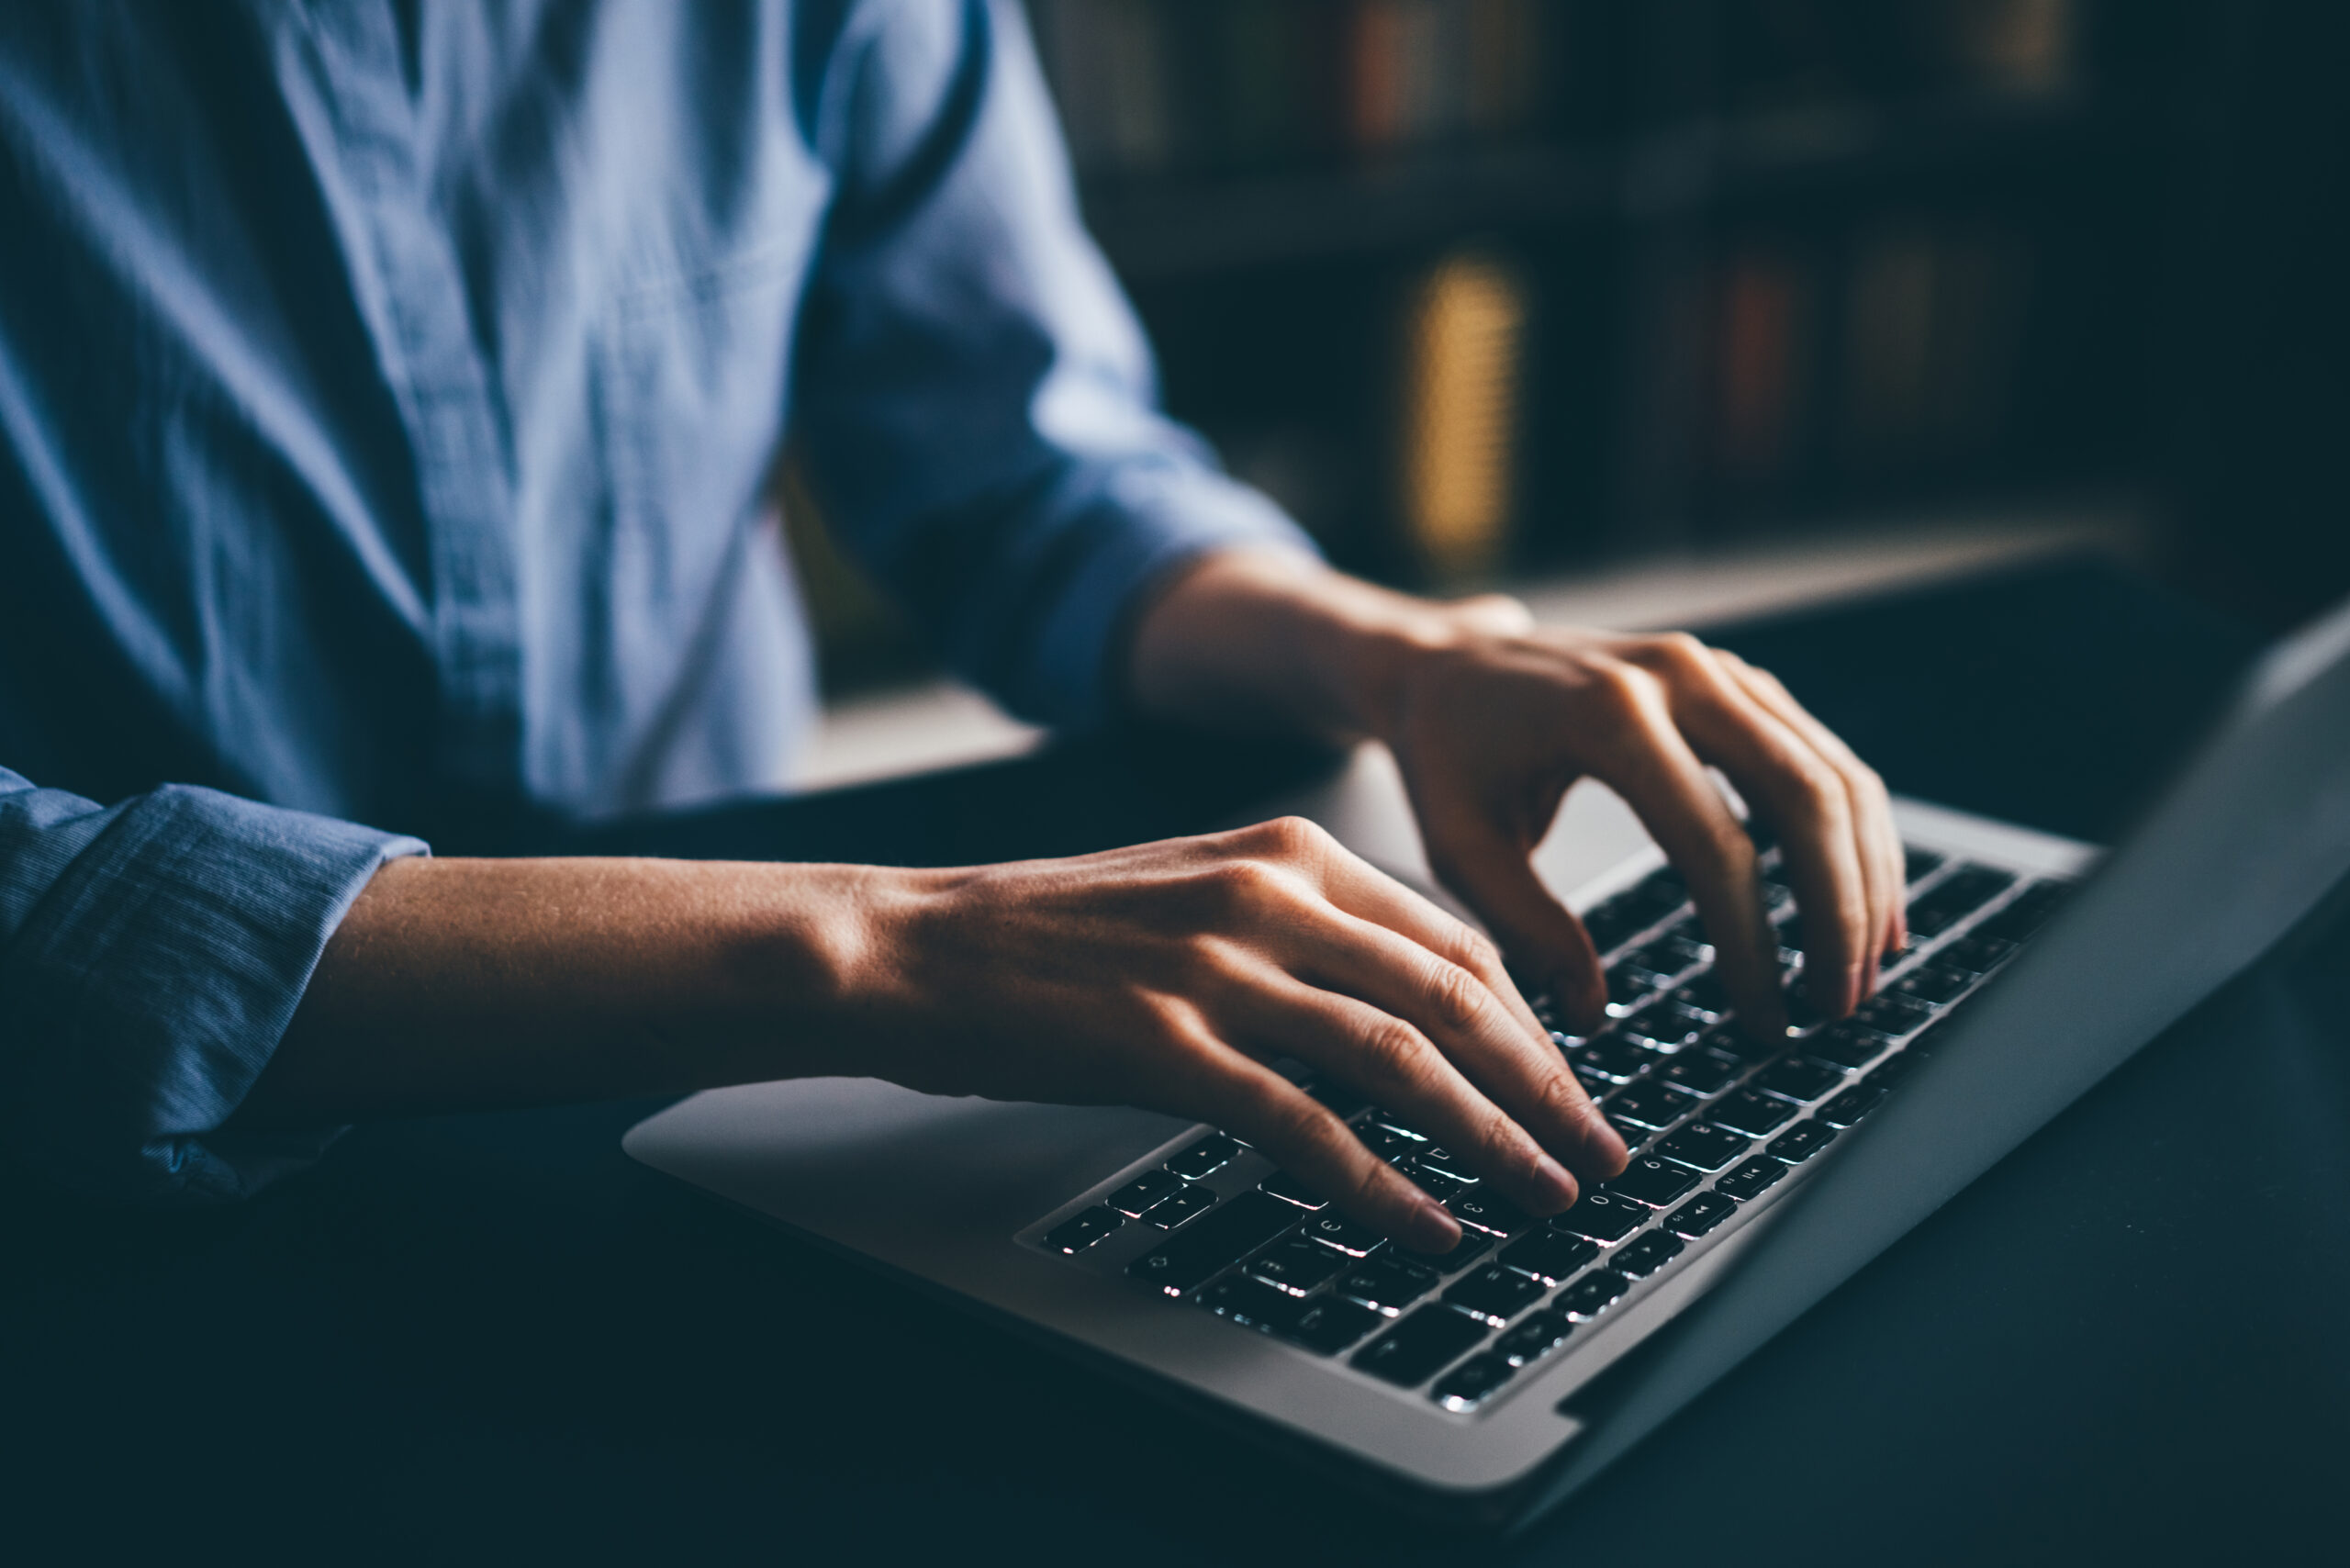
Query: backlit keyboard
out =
(1715, 1123)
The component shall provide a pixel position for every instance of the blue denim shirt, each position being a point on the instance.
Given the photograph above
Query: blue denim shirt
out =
(387, 395)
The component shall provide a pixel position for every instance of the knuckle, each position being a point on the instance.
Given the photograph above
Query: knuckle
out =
(1290, 838)
(1625, 692)
(1472, 950)
(1560, 1097)
(1681, 654)
(1454, 997)
(1391, 1047)
(1243, 885)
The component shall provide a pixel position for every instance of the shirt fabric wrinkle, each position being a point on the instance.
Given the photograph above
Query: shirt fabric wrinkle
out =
(388, 400)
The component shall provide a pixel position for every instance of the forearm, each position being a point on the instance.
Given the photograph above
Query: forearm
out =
(1273, 640)
(463, 984)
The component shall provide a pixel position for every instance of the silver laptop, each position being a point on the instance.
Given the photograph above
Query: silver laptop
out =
(1761, 1177)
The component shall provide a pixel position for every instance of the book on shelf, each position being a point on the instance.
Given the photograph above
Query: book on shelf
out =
(1464, 334)
(1152, 86)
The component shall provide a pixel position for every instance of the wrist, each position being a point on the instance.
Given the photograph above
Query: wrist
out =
(1261, 637)
(1379, 641)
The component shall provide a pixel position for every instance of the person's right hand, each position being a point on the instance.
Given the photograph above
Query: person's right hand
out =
(1170, 975)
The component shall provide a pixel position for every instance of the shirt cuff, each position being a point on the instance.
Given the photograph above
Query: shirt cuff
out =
(152, 982)
(1153, 519)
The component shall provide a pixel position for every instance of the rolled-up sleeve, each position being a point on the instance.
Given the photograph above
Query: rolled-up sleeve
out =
(976, 402)
(151, 954)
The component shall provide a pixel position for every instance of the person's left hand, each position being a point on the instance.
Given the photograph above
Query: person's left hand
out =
(1492, 725)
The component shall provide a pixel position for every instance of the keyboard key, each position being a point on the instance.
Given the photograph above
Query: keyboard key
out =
(1800, 1142)
(1699, 1072)
(1387, 1144)
(1410, 1352)
(1535, 1338)
(1613, 1058)
(1890, 1013)
(1932, 984)
(1290, 1190)
(1750, 1178)
(1330, 1324)
(1700, 1214)
(1473, 1244)
(1081, 1230)
(1435, 1158)
(1473, 1382)
(1653, 1181)
(1629, 983)
(1732, 1042)
(1601, 1216)
(1188, 1204)
(1488, 1212)
(1648, 1253)
(1253, 1303)
(1145, 1191)
(1704, 1146)
(1752, 1114)
(1614, 922)
(1592, 1295)
(2025, 913)
(1796, 1079)
(1921, 863)
(1673, 952)
(1667, 1026)
(1221, 1236)
(1894, 1067)
(1495, 1293)
(1954, 898)
(1847, 1045)
(1336, 1231)
(1853, 1104)
(1650, 1105)
(1977, 953)
(1389, 1284)
(1296, 1265)
(1703, 992)
(1394, 1121)
(1210, 1152)
(1436, 1182)
(1550, 1256)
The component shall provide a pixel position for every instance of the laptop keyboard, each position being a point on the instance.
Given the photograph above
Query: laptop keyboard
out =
(1715, 1123)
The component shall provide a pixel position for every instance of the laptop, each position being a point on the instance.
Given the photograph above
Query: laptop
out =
(1491, 1383)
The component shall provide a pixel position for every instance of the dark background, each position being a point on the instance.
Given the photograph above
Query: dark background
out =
(1984, 256)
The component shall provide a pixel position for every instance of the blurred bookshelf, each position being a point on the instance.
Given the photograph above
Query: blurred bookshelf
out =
(1513, 290)
(1762, 263)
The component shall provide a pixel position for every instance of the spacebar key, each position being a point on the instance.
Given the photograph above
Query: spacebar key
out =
(1222, 1235)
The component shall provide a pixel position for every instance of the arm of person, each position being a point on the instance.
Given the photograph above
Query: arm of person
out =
(1491, 719)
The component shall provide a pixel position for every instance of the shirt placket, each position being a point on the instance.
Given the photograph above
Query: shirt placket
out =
(433, 361)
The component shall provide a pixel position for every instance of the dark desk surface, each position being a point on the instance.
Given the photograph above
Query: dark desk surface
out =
(494, 1335)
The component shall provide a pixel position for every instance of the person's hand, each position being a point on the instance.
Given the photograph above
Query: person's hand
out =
(1491, 725)
(1171, 975)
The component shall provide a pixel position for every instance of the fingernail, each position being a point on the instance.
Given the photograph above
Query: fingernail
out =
(1558, 1188)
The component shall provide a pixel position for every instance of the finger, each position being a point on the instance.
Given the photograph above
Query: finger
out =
(1451, 1004)
(1871, 804)
(1397, 1065)
(1796, 788)
(1645, 759)
(1489, 869)
(1366, 892)
(1304, 1138)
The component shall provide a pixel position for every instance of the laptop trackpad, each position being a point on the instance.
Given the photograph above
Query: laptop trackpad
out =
(876, 1166)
